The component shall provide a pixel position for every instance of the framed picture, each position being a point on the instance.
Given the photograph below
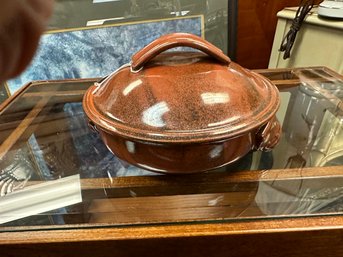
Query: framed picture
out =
(96, 51)
(4, 92)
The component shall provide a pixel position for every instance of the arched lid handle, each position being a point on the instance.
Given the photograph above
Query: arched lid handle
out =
(175, 40)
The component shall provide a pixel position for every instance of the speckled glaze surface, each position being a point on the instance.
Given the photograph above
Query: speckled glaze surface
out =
(167, 111)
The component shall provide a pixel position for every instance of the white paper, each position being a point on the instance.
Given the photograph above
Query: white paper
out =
(40, 198)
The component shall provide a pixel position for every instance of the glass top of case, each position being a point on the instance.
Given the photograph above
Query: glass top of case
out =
(56, 172)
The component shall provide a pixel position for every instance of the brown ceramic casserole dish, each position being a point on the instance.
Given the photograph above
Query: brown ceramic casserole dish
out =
(183, 112)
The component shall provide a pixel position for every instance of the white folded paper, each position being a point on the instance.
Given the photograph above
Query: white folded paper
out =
(40, 198)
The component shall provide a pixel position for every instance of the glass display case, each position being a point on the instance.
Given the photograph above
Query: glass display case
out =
(57, 173)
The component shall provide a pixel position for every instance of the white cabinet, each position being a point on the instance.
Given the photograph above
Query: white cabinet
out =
(318, 43)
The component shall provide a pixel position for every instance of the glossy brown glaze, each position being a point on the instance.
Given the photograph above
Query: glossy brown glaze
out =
(179, 158)
(178, 107)
(268, 136)
(174, 40)
(199, 100)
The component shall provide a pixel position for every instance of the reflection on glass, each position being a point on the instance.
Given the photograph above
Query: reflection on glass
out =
(302, 196)
(313, 122)
(329, 143)
(153, 116)
(15, 170)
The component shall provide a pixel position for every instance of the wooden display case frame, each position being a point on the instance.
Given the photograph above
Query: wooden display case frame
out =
(297, 236)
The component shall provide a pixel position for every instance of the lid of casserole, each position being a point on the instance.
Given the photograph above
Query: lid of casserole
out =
(181, 96)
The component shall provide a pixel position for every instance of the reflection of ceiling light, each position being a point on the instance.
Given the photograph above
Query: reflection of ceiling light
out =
(100, 22)
(153, 115)
(215, 98)
(182, 13)
(104, 1)
(216, 151)
(223, 122)
(132, 86)
(130, 146)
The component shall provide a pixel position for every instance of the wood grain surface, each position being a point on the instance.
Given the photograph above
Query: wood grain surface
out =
(292, 237)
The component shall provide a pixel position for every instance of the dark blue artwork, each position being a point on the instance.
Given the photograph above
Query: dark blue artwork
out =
(96, 52)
